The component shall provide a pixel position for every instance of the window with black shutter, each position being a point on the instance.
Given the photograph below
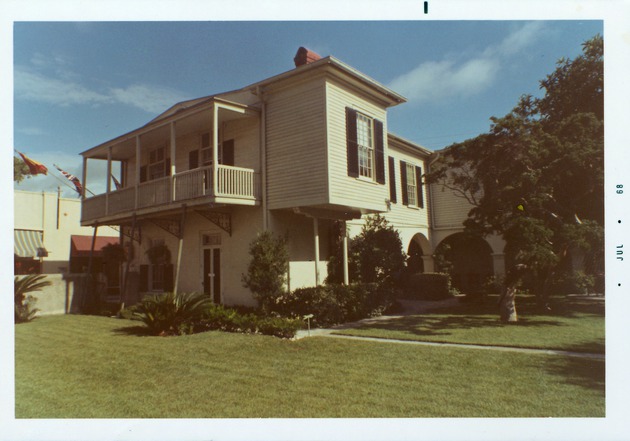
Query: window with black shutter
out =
(392, 180)
(365, 146)
(403, 182)
(227, 150)
(351, 141)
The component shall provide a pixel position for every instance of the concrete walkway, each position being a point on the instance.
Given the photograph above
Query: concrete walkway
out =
(413, 307)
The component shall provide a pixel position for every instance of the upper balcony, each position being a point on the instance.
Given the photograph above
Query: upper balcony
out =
(235, 186)
(205, 154)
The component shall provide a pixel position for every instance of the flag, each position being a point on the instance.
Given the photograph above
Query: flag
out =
(117, 183)
(73, 179)
(34, 167)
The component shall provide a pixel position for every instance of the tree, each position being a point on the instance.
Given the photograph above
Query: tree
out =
(537, 177)
(20, 170)
(267, 271)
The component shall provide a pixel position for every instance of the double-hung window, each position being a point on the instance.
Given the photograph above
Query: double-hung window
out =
(365, 146)
(158, 164)
(365, 143)
(412, 187)
(411, 181)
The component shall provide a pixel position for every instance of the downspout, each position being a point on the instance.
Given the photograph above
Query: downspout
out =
(263, 157)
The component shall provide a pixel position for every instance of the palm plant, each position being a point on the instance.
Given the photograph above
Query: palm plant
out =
(23, 301)
(169, 313)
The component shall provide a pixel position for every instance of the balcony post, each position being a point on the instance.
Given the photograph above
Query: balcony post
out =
(173, 170)
(109, 178)
(135, 204)
(215, 150)
(84, 177)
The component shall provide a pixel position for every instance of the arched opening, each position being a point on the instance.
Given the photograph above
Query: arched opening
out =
(414, 259)
(418, 247)
(468, 260)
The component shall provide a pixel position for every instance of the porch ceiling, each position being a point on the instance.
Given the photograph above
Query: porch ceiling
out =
(157, 132)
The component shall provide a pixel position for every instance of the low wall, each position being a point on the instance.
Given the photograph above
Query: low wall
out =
(65, 295)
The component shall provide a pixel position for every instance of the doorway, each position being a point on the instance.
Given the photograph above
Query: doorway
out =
(212, 273)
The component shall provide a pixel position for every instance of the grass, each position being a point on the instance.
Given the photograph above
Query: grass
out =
(97, 367)
(573, 324)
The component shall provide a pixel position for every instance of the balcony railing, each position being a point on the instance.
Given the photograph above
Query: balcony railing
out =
(234, 183)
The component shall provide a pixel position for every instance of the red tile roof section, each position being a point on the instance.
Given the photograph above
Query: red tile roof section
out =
(81, 245)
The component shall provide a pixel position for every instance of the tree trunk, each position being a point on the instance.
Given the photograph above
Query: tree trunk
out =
(507, 305)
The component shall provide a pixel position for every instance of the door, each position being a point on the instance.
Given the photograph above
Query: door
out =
(212, 273)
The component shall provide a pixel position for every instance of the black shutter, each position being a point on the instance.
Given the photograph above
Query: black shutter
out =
(379, 151)
(144, 278)
(168, 277)
(143, 173)
(193, 159)
(228, 152)
(351, 139)
(392, 180)
(403, 181)
(419, 187)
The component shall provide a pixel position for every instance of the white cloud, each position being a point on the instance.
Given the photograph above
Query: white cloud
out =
(33, 86)
(435, 80)
(153, 99)
(61, 86)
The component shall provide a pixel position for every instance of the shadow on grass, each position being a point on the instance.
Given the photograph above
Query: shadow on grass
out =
(583, 372)
(137, 331)
(432, 324)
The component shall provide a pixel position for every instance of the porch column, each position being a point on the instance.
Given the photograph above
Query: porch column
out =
(172, 171)
(84, 177)
(316, 240)
(346, 277)
(138, 161)
(109, 178)
(182, 223)
(215, 149)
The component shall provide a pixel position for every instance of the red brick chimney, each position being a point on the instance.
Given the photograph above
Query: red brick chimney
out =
(305, 56)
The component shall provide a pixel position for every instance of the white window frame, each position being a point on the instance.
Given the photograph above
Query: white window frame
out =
(366, 147)
(412, 185)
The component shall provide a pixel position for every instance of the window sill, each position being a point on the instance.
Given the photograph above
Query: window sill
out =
(414, 207)
(366, 180)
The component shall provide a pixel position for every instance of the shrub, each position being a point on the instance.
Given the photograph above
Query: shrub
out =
(332, 304)
(374, 256)
(218, 317)
(428, 286)
(23, 302)
(267, 271)
(171, 314)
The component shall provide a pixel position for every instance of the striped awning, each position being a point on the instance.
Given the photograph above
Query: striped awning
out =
(28, 243)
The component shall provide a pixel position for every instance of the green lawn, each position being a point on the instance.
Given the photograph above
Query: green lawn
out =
(96, 367)
(573, 324)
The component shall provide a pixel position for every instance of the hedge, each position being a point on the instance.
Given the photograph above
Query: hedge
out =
(333, 304)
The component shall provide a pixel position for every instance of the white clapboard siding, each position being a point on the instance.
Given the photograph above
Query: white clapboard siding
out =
(345, 190)
(296, 146)
(449, 210)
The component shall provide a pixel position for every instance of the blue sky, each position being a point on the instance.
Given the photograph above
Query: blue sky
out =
(77, 84)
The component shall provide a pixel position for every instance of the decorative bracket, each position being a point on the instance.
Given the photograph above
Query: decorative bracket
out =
(170, 226)
(134, 234)
(221, 220)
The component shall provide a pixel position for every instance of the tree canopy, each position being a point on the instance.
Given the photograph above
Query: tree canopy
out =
(537, 177)
(20, 170)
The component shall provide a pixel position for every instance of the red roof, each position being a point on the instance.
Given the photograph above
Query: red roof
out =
(81, 245)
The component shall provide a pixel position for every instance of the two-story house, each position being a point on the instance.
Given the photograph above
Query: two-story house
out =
(291, 154)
